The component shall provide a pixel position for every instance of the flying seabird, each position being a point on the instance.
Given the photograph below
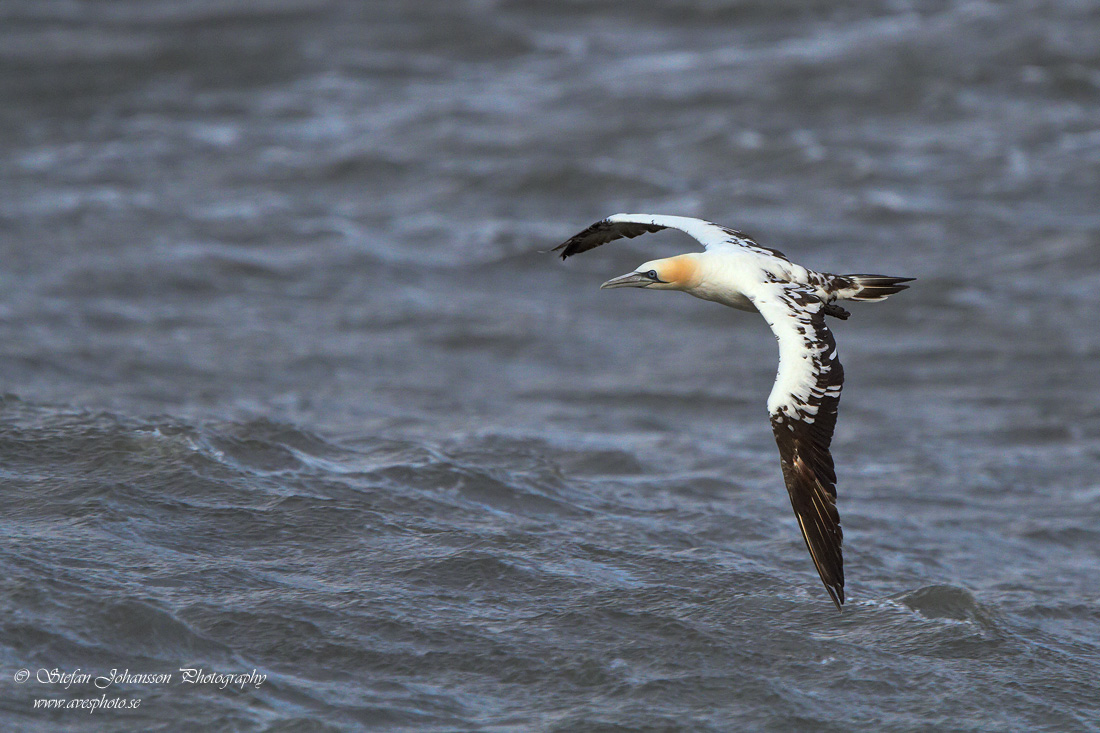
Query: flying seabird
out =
(736, 271)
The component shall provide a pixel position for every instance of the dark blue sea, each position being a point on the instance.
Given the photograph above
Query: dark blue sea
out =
(295, 404)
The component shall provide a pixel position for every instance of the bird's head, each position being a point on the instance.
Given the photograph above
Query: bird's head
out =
(681, 272)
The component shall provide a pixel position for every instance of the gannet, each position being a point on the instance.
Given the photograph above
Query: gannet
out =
(736, 271)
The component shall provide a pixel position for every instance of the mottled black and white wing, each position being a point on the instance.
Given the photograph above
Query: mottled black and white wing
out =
(803, 406)
(618, 226)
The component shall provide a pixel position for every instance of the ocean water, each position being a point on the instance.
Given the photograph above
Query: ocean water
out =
(292, 396)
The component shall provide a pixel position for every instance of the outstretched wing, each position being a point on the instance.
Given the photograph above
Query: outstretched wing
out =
(803, 405)
(632, 225)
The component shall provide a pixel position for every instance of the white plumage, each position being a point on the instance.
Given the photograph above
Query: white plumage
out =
(736, 271)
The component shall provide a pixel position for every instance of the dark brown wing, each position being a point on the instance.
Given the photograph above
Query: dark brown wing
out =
(811, 483)
(803, 407)
(602, 232)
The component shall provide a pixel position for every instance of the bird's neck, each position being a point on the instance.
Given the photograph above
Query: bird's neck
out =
(719, 279)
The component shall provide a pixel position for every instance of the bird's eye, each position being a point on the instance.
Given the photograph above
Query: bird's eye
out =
(652, 275)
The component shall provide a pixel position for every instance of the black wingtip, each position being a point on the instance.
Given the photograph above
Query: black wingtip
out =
(602, 232)
(837, 596)
(552, 250)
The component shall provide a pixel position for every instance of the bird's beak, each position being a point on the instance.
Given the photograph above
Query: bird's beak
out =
(629, 280)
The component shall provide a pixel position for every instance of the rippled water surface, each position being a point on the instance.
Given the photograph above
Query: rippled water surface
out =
(289, 387)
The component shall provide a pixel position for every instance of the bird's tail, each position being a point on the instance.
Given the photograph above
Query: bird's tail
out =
(868, 287)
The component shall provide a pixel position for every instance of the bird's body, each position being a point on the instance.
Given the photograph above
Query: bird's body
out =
(737, 272)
